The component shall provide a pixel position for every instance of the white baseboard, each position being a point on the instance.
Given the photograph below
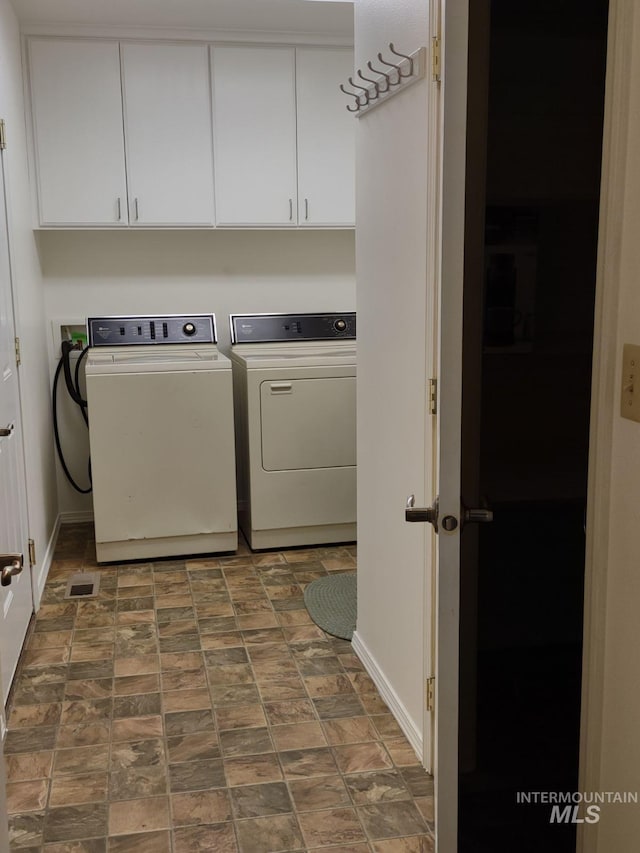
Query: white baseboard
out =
(43, 570)
(411, 731)
(76, 517)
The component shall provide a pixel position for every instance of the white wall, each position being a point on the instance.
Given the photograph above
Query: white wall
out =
(30, 322)
(391, 269)
(93, 273)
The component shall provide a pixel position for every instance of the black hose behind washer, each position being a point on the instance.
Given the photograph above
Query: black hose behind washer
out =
(73, 387)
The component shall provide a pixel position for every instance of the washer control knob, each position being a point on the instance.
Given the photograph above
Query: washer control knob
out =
(340, 325)
(189, 329)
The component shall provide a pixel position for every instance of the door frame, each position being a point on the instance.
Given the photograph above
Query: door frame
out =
(604, 391)
(4, 817)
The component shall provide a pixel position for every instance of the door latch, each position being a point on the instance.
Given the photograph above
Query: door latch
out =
(431, 514)
(422, 514)
(479, 515)
(11, 565)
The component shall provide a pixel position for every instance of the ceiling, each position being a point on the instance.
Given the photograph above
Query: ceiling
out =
(296, 16)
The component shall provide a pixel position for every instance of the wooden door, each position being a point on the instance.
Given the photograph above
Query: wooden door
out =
(446, 248)
(16, 596)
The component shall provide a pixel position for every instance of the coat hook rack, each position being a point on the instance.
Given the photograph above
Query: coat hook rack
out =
(352, 95)
(404, 69)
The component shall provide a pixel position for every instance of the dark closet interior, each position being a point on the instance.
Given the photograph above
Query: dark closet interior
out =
(541, 155)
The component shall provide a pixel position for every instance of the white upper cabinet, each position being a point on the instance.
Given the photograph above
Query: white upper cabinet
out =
(167, 121)
(326, 138)
(154, 134)
(283, 140)
(254, 135)
(77, 120)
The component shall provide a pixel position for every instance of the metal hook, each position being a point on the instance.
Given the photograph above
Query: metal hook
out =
(352, 95)
(366, 93)
(375, 84)
(391, 65)
(383, 73)
(403, 56)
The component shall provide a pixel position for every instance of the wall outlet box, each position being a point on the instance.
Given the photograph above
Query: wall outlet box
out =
(79, 337)
(73, 330)
(630, 393)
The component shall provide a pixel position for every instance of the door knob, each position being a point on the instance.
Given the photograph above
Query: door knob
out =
(5, 431)
(11, 565)
(421, 514)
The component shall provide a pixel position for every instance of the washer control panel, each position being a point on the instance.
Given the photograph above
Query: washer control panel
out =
(276, 328)
(149, 330)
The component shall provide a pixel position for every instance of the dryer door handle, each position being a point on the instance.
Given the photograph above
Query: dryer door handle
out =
(281, 388)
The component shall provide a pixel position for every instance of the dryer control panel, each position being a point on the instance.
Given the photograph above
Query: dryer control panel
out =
(277, 328)
(155, 329)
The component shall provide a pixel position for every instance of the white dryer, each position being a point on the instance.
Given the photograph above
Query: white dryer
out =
(161, 435)
(294, 379)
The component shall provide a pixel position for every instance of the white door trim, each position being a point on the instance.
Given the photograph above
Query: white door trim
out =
(604, 391)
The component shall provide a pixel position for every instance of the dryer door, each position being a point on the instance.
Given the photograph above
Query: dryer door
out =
(308, 423)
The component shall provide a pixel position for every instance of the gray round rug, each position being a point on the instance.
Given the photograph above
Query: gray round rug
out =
(331, 602)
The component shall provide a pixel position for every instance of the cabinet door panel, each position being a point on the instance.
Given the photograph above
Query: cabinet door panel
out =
(167, 113)
(77, 120)
(326, 138)
(254, 135)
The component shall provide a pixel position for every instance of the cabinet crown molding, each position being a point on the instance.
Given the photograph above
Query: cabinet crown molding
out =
(325, 39)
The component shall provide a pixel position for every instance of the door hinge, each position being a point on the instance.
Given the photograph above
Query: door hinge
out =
(18, 357)
(435, 59)
(3, 135)
(32, 552)
(430, 694)
(433, 396)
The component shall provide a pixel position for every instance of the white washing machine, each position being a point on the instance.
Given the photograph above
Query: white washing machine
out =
(294, 379)
(161, 435)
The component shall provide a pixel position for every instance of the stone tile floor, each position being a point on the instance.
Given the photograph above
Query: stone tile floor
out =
(193, 705)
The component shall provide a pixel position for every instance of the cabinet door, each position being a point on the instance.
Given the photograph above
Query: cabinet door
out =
(326, 138)
(77, 121)
(254, 135)
(167, 116)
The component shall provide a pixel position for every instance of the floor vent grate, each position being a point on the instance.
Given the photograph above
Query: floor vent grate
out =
(83, 585)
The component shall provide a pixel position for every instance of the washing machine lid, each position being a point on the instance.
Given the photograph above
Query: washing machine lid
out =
(154, 359)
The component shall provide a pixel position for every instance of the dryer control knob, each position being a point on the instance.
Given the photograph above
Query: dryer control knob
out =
(189, 329)
(340, 325)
